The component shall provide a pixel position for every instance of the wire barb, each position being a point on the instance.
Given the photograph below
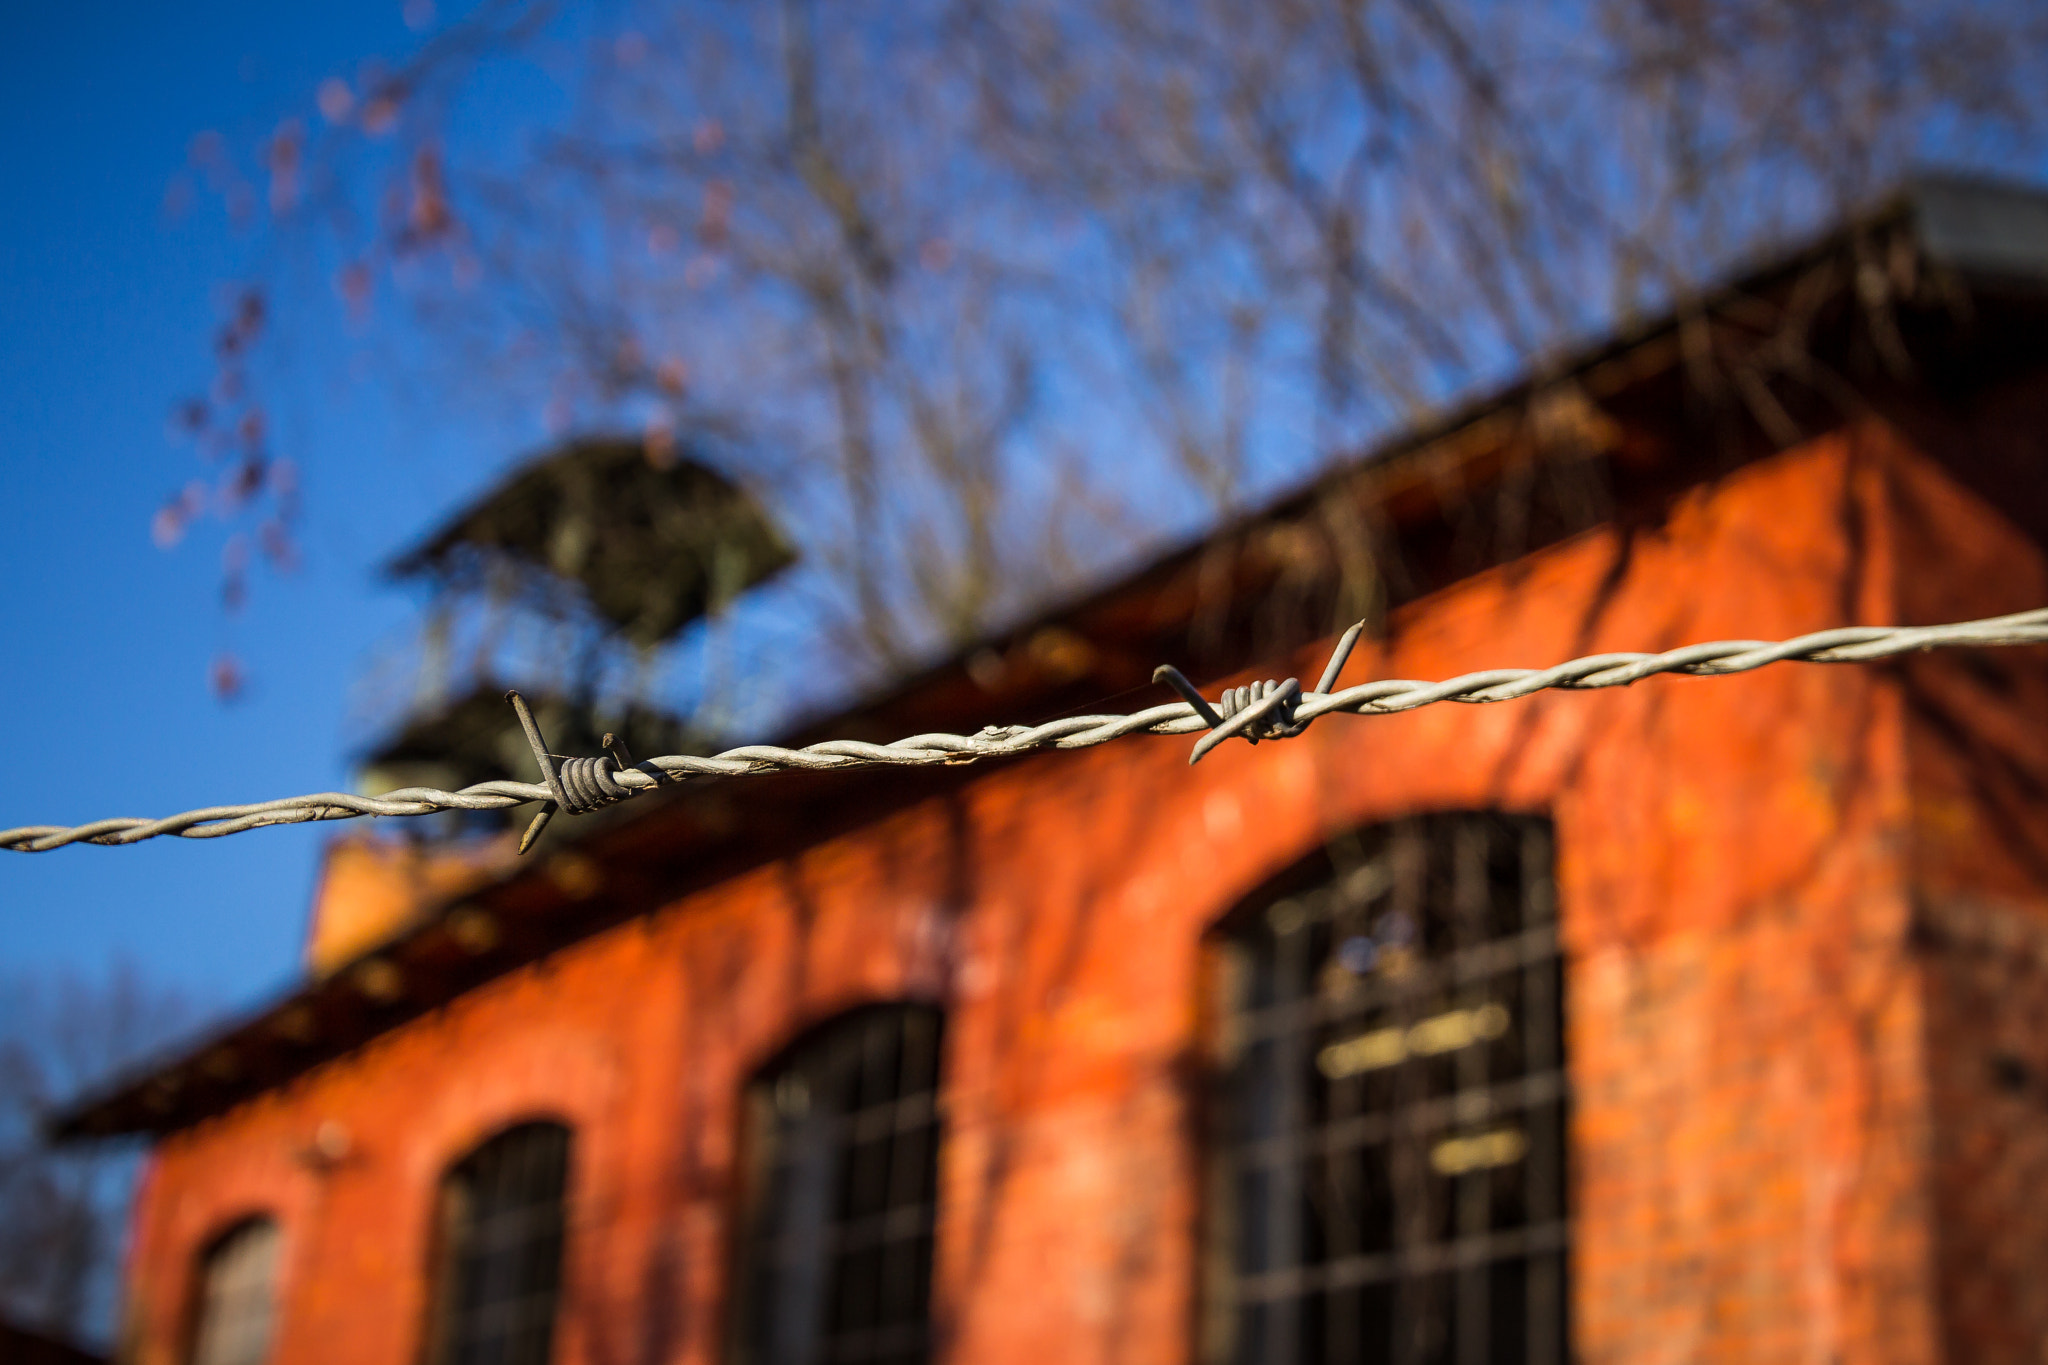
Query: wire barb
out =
(578, 785)
(1261, 711)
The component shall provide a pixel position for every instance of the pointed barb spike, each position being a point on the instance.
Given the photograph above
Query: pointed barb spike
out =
(540, 822)
(1173, 678)
(1340, 656)
(541, 755)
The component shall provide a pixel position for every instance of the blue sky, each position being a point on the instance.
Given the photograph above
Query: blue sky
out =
(106, 310)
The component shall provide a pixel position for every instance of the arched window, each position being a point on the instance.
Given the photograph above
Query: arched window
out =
(500, 1262)
(1391, 1163)
(836, 1256)
(237, 1295)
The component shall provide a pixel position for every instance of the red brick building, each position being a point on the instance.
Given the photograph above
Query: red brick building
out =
(1701, 1020)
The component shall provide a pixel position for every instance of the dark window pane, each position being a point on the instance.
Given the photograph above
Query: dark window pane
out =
(1393, 1120)
(837, 1256)
(501, 1249)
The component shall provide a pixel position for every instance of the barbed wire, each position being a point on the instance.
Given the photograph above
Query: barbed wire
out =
(1264, 710)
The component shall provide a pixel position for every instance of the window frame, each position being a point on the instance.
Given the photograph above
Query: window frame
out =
(201, 1298)
(1517, 1123)
(448, 1256)
(764, 1141)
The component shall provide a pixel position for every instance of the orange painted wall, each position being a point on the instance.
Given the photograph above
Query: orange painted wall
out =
(1754, 1150)
(1977, 755)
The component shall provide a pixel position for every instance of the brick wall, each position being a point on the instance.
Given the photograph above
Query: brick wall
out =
(1977, 756)
(1748, 1028)
(1987, 975)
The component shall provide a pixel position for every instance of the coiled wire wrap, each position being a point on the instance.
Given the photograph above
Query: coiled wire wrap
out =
(1279, 723)
(587, 784)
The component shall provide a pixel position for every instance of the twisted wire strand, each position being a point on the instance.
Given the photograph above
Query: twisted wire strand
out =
(1243, 716)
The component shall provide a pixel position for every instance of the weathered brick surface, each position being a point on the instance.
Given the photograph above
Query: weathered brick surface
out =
(1755, 1137)
(1977, 755)
(1988, 1060)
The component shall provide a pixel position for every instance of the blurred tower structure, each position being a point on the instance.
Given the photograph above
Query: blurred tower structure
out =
(612, 547)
